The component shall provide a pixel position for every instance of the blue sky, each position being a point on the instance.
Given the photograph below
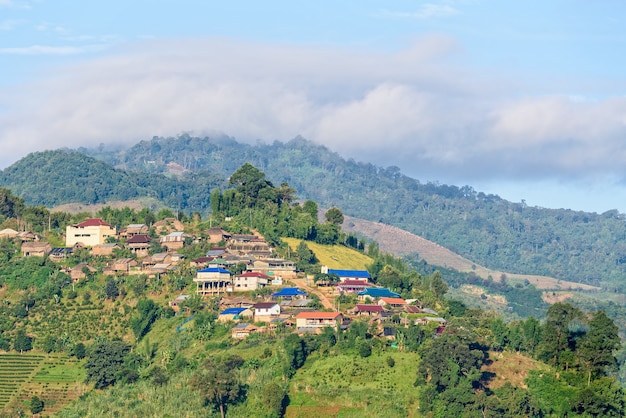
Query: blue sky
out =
(523, 99)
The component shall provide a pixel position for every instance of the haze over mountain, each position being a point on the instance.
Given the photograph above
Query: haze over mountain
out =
(501, 235)
(522, 100)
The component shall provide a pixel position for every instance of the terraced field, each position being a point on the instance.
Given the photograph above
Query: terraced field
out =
(15, 371)
(55, 379)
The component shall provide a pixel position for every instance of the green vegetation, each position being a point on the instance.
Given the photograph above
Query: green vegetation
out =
(113, 348)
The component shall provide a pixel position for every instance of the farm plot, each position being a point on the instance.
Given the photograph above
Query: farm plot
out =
(15, 371)
(59, 381)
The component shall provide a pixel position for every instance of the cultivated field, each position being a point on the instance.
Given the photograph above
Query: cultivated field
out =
(56, 379)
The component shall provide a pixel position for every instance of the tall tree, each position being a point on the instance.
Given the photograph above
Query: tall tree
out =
(597, 347)
(219, 382)
(334, 216)
(556, 336)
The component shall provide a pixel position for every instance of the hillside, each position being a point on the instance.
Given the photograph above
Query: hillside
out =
(502, 236)
(402, 243)
(101, 334)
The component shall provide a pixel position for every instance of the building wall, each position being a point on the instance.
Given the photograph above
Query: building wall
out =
(89, 235)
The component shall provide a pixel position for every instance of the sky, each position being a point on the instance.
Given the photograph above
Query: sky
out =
(526, 100)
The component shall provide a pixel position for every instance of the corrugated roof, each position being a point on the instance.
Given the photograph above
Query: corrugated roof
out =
(214, 270)
(379, 292)
(393, 301)
(369, 308)
(264, 305)
(363, 274)
(318, 315)
(232, 311)
(289, 291)
(93, 222)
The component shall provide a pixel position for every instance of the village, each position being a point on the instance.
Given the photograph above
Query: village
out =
(262, 294)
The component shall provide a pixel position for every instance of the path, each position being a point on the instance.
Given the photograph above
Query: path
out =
(302, 284)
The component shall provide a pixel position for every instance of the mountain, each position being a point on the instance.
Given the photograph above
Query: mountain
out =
(500, 235)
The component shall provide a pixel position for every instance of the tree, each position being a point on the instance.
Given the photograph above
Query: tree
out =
(598, 345)
(110, 288)
(334, 216)
(274, 399)
(106, 361)
(218, 382)
(556, 335)
(437, 285)
(22, 341)
(365, 349)
(36, 405)
(148, 312)
(250, 181)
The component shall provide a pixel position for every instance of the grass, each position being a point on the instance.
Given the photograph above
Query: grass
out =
(334, 256)
(510, 367)
(350, 386)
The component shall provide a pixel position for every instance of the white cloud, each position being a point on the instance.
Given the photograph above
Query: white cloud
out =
(10, 24)
(15, 4)
(405, 108)
(50, 50)
(425, 11)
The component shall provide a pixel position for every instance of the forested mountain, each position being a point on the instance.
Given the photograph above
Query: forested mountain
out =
(567, 244)
(51, 178)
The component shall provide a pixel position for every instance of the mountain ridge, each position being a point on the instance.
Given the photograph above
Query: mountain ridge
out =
(570, 245)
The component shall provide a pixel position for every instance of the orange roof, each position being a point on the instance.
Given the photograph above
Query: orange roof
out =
(93, 222)
(318, 315)
(394, 301)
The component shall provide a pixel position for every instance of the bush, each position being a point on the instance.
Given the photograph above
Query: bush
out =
(365, 349)
(36, 405)
(390, 361)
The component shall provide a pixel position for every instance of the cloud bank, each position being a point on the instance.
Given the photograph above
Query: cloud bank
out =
(415, 108)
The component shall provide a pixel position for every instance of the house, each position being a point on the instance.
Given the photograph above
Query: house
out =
(216, 252)
(139, 244)
(168, 225)
(427, 319)
(134, 229)
(123, 265)
(315, 321)
(264, 311)
(8, 233)
(35, 249)
(59, 254)
(250, 281)
(91, 232)
(174, 240)
(200, 262)
(352, 286)
(368, 310)
(412, 309)
(242, 330)
(236, 302)
(392, 302)
(248, 244)
(78, 271)
(104, 250)
(274, 267)
(234, 314)
(28, 236)
(289, 293)
(175, 304)
(217, 235)
(377, 292)
(348, 274)
(213, 281)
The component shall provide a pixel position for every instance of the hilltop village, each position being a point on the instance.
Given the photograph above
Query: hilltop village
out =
(265, 307)
(234, 267)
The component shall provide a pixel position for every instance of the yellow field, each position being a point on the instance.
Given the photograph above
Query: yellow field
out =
(334, 256)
